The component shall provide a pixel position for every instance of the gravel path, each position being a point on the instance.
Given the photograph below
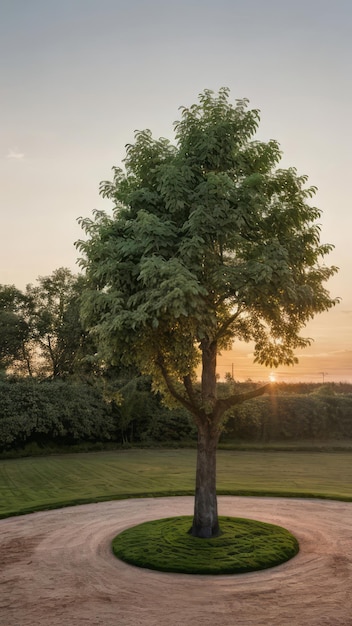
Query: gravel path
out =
(56, 568)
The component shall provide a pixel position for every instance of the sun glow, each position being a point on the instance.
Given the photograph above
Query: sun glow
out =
(272, 377)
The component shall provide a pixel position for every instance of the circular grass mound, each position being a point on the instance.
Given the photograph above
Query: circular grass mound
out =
(244, 545)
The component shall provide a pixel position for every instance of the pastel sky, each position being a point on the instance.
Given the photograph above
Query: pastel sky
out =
(79, 76)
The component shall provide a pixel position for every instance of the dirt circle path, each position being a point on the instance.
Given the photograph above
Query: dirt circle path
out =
(56, 568)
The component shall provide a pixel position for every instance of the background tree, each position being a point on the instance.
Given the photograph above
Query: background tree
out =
(209, 242)
(55, 320)
(41, 332)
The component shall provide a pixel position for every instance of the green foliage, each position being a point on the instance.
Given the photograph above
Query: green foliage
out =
(41, 334)
(169, 425)
(55, 322)
(316, 416)
(125, 411)
(48, 412)
(243, 546)
(13, 333)
(14, 329)
(209, 242)
(64, 413)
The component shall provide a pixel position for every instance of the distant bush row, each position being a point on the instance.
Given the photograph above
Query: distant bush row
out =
(65, 413)
(52, 412)
(317, 416)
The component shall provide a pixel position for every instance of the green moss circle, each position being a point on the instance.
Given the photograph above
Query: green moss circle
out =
(244, 545)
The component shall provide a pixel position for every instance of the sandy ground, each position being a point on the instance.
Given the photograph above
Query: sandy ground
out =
(56, 568)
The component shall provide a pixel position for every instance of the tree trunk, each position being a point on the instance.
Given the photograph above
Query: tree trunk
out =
(205, 521)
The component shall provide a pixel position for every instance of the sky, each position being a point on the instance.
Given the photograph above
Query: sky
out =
(78, 77)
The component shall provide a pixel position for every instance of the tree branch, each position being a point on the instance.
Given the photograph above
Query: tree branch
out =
(188, 404)
(223, 404)
(225, 326)
(187, 381)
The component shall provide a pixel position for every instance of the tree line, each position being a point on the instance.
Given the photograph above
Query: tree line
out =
(43, 415)
(40, 416)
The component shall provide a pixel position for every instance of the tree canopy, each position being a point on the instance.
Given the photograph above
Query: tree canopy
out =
(208, 241)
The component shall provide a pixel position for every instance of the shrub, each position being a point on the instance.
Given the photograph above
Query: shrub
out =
(52, 411)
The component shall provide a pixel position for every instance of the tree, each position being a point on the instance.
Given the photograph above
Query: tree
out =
(41, 332)
(209, 242)
(55, 320)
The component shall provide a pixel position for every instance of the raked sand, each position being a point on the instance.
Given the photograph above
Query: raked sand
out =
(57, 569)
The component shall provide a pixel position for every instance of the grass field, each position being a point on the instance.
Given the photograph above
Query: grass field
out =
(37, 483)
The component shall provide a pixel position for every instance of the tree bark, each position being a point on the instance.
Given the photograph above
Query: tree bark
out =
(205, 520)
(209, 354)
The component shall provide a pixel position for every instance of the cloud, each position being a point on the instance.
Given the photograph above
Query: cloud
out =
(15, 154)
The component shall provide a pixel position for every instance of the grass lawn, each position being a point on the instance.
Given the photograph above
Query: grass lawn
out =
(243, 546)
(34, 483)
